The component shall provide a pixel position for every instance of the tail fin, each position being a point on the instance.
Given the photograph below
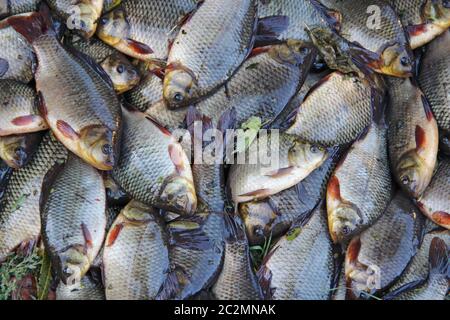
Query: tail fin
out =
(33, 26)
(234, 229)
(438, 257)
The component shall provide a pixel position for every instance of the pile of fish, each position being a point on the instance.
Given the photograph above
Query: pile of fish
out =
(355, 97)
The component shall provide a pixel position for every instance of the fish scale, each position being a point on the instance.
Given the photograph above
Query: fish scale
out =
(301, 265)
(19, 215)
(12, 7)
(17, 53)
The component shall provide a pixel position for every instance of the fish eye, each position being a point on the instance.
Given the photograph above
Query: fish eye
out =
(106, 149)
(120, 68)
(82, 24)
(405, 180)
(178, 97)
(19, 151)
(405, 61)
(314, 149)
(446, 4)
(103, 21)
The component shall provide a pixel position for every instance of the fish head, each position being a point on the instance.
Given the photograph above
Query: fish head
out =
(14, 151)
(303, 154)
(113, 27)
(87, 16)
(344, 220)
(437, 12)
(178, 195)
(137, 211)
(292, 52)
(73, 265)
(258, 217)
(123, 74)
(397, 61)
(412, 175)
(98, 146)
(179, 84)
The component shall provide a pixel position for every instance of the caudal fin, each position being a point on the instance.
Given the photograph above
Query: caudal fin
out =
(438, 256)
(34, 25)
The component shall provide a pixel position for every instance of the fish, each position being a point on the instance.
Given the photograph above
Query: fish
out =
(147, 94)
(144, 30)
(361, 186)
(302, 15)
(158, 173)
(123, 74)
(418, 270)
(86, 289)
(115, 195)
(75, 97)
(80, 15)
(5, 174)
(424, 20)
(13, 7)
(434, 80)
(379, 255)
(335, 111)
(19, 112)
(237, 280)
(413, 137)
(301, 264)
(20, 219)
(256, 176)
(386, 45)
(274, 216)
(434, 202)
(17, 58)
(196, 256)
(18, 150)
(251, 92)
(209, 49)
(73, 218)
(136, 256)
(437, 284)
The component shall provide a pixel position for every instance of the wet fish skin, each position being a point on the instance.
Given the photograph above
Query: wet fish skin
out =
(123, 74)
(73, 218)
(90, 129)
(274, 216)
(20, 218)
(158, 174)
(143, 29)
(237, 280)
(419, 267)
(335, 111)
(434, 79)
(256, 180)
(86, 289)
(413, 137)
(13, 7)
(16, 57)
(434, 201)
(424, 19)
(301, 265)
(135, 257)
(81, 16)
(5, 175)
(147, 94)
(436, 285)
(380, 254)
(361, 186)
(387, 41)
(18, 150)
(204, 56)
(19, 112)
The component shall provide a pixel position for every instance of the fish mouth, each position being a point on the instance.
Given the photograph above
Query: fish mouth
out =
(178, 195)
(396, 60)
(345, 220)
(411, 177)
(73, 265)
(87, 20)
(179, 83)
(258, 218)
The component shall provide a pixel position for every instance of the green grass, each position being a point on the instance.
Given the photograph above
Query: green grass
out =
(258, 253)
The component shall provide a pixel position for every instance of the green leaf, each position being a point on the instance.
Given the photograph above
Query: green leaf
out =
(250, 131)
(252, 66)
(293, 234)
(19, 202)
(45, 278)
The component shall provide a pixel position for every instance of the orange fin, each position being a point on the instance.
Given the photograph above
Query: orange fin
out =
(66, 130)
(353, 250)
(441, 217)
(159, 126)
(258, 51)
(176, 156)
(334, 189)
(113, 234)
(87, 235)
(280, 172)
(41, 105)
(427, 108)
(260, 193)
(421, 139)
(416, 30)
(139, 47)
(25, 120)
